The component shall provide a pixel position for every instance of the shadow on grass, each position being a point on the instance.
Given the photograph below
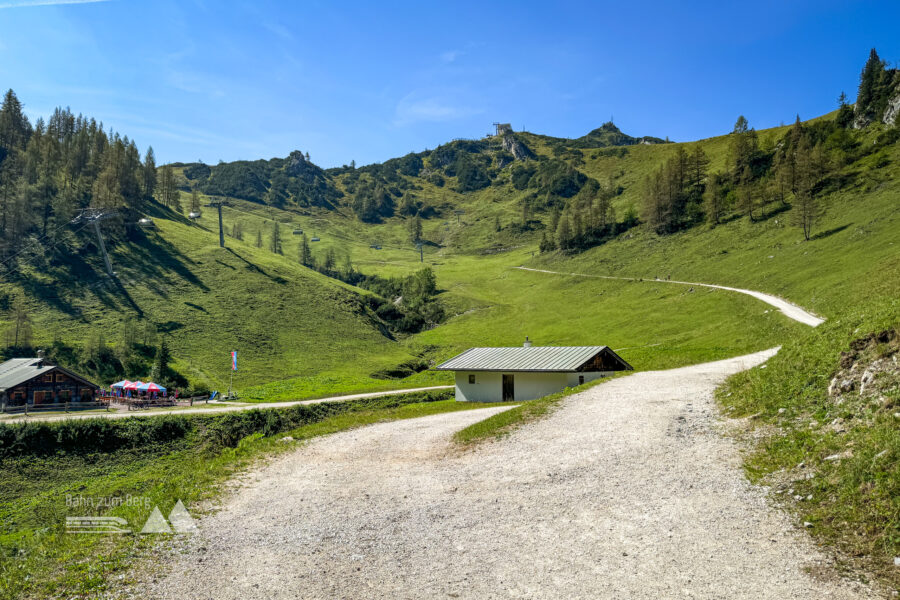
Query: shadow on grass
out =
(256, 268)
(156, 259)
(773, 213)
(832, 231)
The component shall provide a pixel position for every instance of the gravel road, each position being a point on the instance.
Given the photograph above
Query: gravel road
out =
(211, 408)
(628, 490)
(789, 309)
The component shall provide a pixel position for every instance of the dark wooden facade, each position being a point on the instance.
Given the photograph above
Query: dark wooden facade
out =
(55, 385)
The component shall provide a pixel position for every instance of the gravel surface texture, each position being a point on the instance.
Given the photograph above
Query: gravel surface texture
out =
(627, 490)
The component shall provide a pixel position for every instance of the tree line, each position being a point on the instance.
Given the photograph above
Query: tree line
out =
(52, 169)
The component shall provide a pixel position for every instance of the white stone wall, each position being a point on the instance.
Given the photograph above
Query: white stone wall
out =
(488, 386)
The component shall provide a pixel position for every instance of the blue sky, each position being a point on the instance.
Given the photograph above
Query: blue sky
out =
(220, 80)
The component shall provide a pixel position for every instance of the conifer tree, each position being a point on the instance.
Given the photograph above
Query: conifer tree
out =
(148, 174)
(176, 202)
(330, 260)
(305, 253)
(714, 200)
(869, 83)
(259, 240)
(275, 240)
(160, 371)
(167, 187)
(564, 233)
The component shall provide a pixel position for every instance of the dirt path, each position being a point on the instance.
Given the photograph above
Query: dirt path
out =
(211, 408)
(790, 310)
(626, 491)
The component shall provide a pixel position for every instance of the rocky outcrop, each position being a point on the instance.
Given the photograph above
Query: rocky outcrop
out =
(892, 110)
(516, 147)
(296, 162)
(870, 370)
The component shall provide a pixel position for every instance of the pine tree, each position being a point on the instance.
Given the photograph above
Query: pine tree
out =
(305, 253)
(844, 117)
(564, 233)
(415, 229)
(259, 240)
(747, 199)
(14, 126)
(330, 260)
(20, 324)
(237, 230)
(167, 186)
(547, 243)
(148, 173)
(497, 223)
(869, 82)
(195, 201)
(176, 202)
(275, 240)
(806, 208)
(714, 200)
(806, 212)
(160, 372)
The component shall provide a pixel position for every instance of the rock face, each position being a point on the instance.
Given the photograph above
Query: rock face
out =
(892, 110)
(515, 147)
(296, 162)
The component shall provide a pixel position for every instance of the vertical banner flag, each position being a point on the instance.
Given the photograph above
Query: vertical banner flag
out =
(234, 360)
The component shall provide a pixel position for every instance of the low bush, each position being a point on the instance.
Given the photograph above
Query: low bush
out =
(88, 436)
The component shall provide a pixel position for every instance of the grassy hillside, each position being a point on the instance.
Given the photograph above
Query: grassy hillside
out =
(285, 320)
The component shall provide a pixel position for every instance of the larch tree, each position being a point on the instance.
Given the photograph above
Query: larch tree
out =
(304, 252)
(275, 239)
(148, 174)
(168, 189)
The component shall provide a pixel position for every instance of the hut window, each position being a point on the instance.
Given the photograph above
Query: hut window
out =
(18, 396)
(48, 378)
(580, 379)
(65, 395)
(471, 379)
(60, 378)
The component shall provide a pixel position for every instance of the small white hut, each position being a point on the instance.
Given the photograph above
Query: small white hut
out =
(528, 372)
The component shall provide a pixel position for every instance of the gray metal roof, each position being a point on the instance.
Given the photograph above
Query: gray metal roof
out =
(520, 358)
(19, 370)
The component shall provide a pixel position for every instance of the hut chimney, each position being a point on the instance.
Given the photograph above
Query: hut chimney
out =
(527, 343)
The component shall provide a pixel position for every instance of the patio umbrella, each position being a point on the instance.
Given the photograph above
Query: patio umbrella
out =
(121, 384)
(151, 387)
(132, 385)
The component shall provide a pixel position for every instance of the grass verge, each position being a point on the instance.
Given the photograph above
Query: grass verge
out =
(40, 485)
(833, 460)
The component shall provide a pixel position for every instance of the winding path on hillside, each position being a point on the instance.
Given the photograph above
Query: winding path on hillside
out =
(790, 310)
(212, 408)
(627, 490)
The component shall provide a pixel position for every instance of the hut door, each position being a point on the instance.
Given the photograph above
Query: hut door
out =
(509, 388)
